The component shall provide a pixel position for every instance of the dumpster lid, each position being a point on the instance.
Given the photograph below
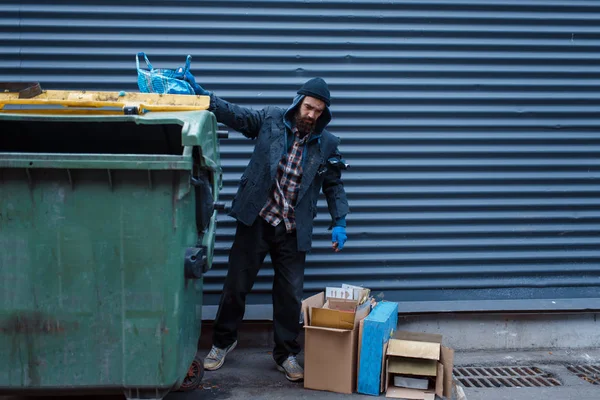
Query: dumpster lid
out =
(15, 96)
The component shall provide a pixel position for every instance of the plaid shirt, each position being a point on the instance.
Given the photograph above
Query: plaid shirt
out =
(281, 202)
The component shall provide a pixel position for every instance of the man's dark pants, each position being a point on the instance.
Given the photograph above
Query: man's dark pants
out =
(250, 247)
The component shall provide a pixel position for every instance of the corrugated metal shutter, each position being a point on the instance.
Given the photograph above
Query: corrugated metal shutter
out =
(471, 126)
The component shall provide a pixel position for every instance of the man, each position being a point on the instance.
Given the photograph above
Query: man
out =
(294, 158)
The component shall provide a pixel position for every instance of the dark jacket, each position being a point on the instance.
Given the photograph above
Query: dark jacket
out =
(322, 164)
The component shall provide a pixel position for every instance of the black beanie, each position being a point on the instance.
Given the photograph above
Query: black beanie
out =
(316, 88)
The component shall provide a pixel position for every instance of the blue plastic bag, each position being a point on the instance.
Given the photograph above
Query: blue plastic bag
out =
(155, 80)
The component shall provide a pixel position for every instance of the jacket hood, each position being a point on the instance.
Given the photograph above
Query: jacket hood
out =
(322, 122)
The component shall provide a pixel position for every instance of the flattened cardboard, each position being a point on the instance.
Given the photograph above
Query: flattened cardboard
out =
(341, 305)
(439, 383)
(411, 394)
(414, 349)
(382, 378)
(387, 376)
(314, 301)
(412, 366)
(361, 325)
(326, 318)
(447, 360)
(361, 313)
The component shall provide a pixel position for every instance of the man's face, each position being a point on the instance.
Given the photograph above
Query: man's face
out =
(310, 110)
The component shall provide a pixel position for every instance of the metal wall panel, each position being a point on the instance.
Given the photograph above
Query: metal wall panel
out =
(471, 127)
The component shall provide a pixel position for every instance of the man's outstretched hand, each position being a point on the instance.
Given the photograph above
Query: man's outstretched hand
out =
(338, 238)
(189, 78)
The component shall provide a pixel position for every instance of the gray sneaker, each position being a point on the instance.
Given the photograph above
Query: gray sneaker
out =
(215, 359)
(292, 369)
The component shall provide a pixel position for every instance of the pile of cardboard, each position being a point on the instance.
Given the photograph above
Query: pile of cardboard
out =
(331, 321)
(347, 334)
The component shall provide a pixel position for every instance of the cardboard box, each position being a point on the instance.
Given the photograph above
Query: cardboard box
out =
(376, 332)
(422, 356)
(330, 343)
(404, 354)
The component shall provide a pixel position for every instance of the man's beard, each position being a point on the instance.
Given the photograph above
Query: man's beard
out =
(304, 126)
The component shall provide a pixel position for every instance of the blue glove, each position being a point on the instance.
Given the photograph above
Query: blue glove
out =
(189, 78)
(338, 237)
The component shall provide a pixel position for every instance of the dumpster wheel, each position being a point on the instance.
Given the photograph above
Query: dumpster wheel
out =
(194, 376)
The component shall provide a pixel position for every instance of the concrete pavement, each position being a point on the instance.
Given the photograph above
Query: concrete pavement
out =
(250, 373)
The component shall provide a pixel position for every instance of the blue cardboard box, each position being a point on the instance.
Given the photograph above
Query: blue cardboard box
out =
(377, 329)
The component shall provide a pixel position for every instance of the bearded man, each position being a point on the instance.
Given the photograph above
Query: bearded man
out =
(294, 158)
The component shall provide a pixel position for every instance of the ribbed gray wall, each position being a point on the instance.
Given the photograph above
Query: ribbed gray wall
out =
(471, 127)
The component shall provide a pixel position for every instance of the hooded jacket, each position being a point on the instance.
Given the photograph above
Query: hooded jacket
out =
(322, 164)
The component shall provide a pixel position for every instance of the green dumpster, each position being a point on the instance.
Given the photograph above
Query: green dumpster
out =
(107, 224)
